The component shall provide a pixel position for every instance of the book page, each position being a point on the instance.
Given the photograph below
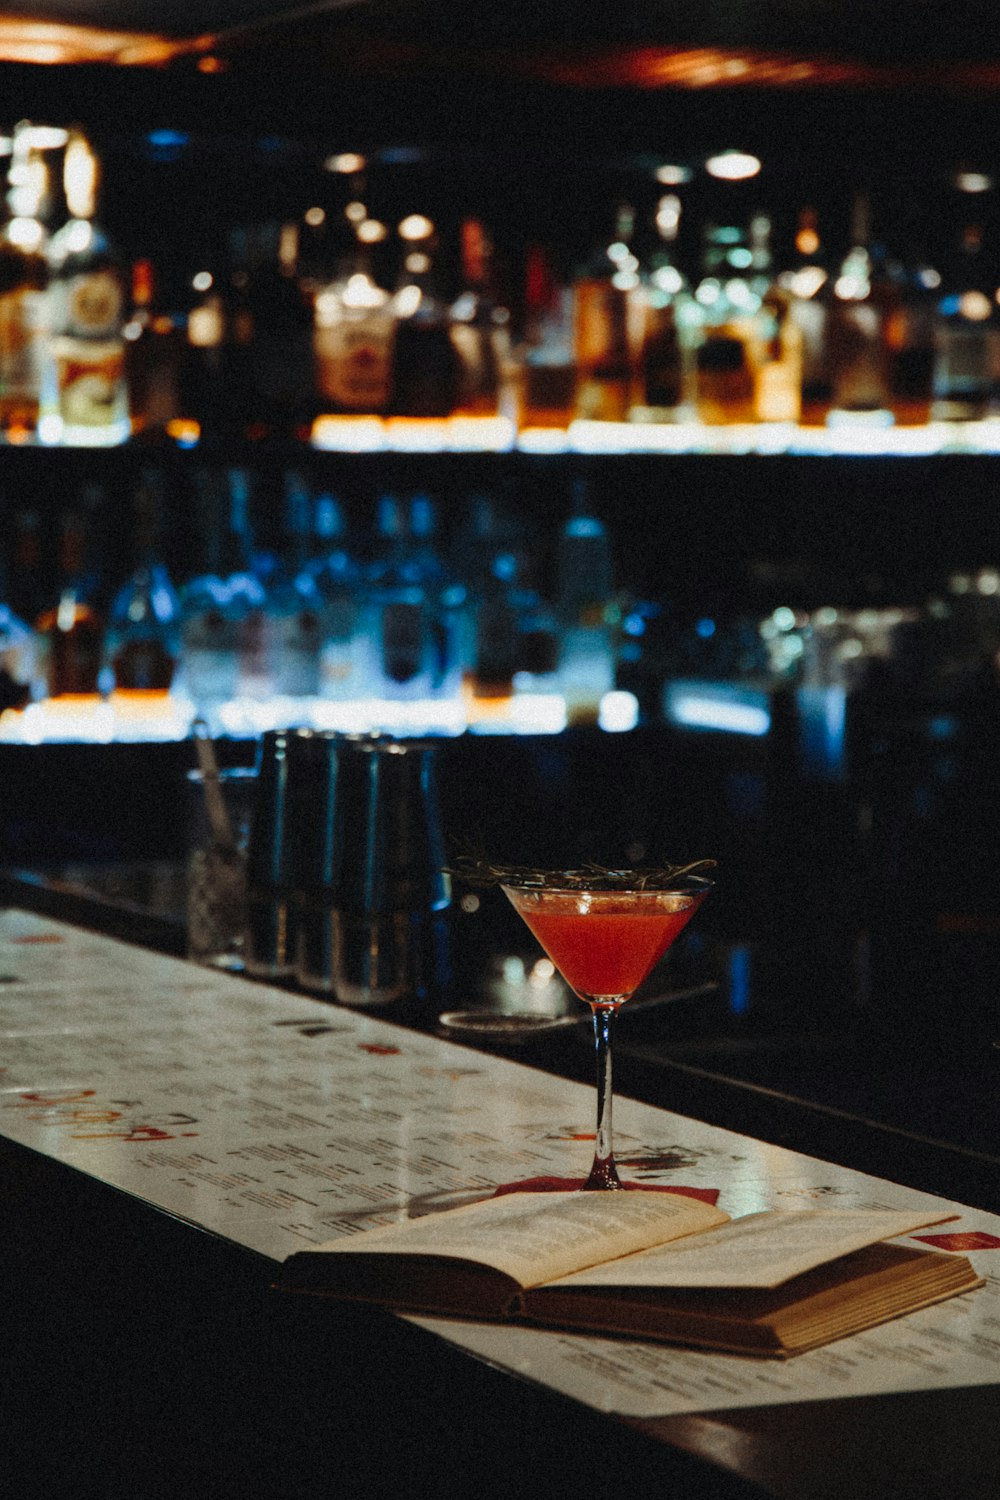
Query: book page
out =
(536, 1237)
(759, 1250)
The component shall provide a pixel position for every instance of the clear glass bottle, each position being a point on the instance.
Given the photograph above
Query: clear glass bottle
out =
(910, 341)
(671, 329)
(84, 393)
(480, 331)
(609, 318)
(583, 601)
(548, 362)
(967, 335)
(293, 607)
(71, 630)
(804, 284)
(397, 612)
(222, 604)
(861, 302)
(337, 576)
(143, 642)
(729, 304)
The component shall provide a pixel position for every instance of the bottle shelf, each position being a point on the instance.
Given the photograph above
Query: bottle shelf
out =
(368, 437)
(164, 718)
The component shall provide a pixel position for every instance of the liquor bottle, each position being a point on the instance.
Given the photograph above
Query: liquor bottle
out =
(401, 620)
(18, 653)
(729, 304)
(966, 376)
(293, 604)
(209, 397)
(668, 390)
(154, 340)
(23, 278)
(583, 601)
(446, 595)
(548, 363)
(608, 327)
(804, 282)
(26, 583)
(144, 619)
(859, 308)
(496, 655)
(777, 342)
(487, 557)
(222, 604)
(280, 312)
(337, 577)
(71, 629)
(353, 334)
(396, 624)
(84, 395)
(425, 364)
(910, 342)
(480, 331)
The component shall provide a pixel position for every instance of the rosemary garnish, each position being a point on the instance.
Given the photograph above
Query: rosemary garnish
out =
(475, 870)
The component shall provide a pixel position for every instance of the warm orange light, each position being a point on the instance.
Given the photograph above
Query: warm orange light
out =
(699, 68)
(807, 241)
(23, 40)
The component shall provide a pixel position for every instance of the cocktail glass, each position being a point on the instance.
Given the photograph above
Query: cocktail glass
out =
(604, 942)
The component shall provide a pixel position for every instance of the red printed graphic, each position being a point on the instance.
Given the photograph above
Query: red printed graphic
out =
(970, 1239)
(571, 1184)
(54, 1101)
(73, 1110)
(38, 937)
(378, 1051)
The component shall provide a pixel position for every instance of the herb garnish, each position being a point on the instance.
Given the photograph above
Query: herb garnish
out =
(475, 870)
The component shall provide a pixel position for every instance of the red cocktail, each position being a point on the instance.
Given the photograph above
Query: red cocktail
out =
(604, 942)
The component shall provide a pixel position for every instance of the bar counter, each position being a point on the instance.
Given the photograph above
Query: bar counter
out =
(150, 1355)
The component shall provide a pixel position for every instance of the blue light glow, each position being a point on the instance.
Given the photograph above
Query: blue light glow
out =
(739, 981)
(717, 706)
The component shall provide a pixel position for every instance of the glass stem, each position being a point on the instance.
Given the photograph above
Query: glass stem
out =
(603, 1173)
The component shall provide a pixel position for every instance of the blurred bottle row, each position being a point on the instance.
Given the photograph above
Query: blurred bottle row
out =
(334, 313)
(293, 610)
(393, 614)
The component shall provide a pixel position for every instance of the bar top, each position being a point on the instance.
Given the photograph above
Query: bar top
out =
(275, 1121)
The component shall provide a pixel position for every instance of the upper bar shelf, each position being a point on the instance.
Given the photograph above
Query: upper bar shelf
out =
(463, 435)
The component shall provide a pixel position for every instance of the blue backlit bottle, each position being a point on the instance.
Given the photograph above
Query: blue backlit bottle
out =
(583, 602)
(337, 576)
(144, 619)
(222, 605)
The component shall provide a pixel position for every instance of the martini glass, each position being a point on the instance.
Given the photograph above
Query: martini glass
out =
(605, 942)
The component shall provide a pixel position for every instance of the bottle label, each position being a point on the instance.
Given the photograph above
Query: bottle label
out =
(90, 383)
(21, 334)
(93, 305)
(354, 366)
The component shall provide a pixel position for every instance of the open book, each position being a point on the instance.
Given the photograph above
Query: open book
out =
(647, 1264)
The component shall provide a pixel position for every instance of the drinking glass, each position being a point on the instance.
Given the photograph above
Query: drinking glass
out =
(605, 940)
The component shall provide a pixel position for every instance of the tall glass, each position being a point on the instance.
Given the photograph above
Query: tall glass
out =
(605, 942)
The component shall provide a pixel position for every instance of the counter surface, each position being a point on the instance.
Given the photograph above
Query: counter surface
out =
(257, 1120)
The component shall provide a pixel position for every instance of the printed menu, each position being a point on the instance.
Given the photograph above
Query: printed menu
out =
(279, 1122)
